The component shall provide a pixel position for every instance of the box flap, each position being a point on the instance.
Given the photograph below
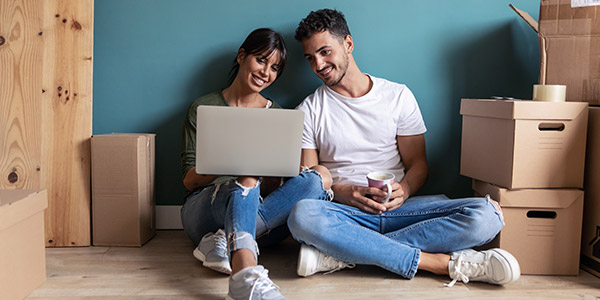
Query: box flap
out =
(522, 109)
(529, 198)
(8, 197)
(527, 18)
(560, 18)
(17, 205)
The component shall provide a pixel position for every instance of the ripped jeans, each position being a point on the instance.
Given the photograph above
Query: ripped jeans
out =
(394, 239)
(243, 213)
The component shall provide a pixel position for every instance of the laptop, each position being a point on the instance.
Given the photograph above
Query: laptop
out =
(245, 141)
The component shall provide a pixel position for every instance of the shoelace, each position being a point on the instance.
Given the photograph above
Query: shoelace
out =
(262, 284)
(221, 242)
(334, 264)
(476, 269)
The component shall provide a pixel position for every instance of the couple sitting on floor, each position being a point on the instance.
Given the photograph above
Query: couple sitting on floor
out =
(328, 207)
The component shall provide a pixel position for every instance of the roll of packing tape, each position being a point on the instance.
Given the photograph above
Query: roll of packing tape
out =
(550, 93)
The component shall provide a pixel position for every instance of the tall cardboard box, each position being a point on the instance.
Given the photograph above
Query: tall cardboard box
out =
(543, 227)
(569, 47)
(22, 242)
(590, 239)
(122, 189)
(524, 144)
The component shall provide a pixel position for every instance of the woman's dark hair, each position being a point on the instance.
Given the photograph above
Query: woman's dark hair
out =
(261, 41)
(321, 20)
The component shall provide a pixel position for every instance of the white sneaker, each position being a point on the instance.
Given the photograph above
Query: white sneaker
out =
(311, 261)
(212, 252)
(253, 283)
(494, 266)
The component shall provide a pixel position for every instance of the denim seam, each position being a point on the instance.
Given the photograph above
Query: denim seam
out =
(214, 194)
(415, 264)
(417, 225)
(264, 222)
(233, 238)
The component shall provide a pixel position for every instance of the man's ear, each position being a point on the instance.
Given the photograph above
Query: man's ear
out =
(241, 55)
(349, 44)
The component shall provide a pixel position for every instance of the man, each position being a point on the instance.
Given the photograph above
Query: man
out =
(356, 123)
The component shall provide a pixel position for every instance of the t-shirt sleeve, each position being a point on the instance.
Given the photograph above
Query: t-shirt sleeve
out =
(188, 141)
(410, 121)
(308, 135)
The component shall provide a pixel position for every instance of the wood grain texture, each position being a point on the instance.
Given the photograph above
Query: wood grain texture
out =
(67, 114)
(165, 269)
(20, 94)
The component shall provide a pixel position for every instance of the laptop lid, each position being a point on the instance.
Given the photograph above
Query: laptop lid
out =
(243, 141)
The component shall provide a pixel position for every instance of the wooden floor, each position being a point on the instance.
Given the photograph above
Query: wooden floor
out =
(165, 269)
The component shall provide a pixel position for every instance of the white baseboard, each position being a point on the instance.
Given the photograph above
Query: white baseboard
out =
(168, 217)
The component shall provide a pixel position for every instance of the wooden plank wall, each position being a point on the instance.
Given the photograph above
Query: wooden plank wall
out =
(46, 50)
(20, 94)
(68, 28)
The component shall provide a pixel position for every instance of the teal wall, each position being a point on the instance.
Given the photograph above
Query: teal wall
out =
(152, 58)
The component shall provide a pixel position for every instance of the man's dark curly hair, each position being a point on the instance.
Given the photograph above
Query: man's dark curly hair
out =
(321, 20)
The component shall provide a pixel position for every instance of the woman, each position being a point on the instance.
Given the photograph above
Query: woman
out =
(235, 204)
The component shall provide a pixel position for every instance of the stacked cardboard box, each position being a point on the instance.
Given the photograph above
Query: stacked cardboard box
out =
(122, 189)
(569, 35)
(530, 156)
(22, 242)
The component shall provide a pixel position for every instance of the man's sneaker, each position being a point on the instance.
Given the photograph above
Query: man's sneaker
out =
(253, 283)
(495, 266)
(311, 261)
(212, 252)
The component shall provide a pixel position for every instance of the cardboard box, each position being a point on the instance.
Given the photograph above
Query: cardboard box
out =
(590, 238)
(569, 48)
(22, 242)
(543, 227)
(122, 189)
(524, 144)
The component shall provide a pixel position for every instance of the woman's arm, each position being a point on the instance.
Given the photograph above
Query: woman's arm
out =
(192, 180)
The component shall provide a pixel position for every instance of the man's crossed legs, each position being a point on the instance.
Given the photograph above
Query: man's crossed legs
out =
(431, 233)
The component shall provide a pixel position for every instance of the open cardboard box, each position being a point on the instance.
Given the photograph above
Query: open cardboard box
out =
(569, 47)
(22, 242)
(524, 144)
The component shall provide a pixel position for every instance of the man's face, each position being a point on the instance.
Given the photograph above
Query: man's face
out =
(327, 56)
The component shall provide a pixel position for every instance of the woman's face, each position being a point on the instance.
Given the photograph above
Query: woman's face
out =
(258, 71)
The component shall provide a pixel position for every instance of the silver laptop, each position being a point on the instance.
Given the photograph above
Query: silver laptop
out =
(248, 141)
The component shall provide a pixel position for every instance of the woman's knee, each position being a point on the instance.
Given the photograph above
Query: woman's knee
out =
(247, 181)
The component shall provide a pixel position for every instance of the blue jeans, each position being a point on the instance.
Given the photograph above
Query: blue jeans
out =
(239, 209)
(394, 239)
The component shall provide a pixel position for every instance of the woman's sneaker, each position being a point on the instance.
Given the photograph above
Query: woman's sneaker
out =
(212, 252)
(311, 261)
(494, 266)
(253, 283)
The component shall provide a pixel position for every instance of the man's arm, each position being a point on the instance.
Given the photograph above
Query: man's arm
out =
(414, 157)
(309, 158)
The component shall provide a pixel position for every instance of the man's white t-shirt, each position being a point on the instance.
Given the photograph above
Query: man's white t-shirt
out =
(355, 136)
